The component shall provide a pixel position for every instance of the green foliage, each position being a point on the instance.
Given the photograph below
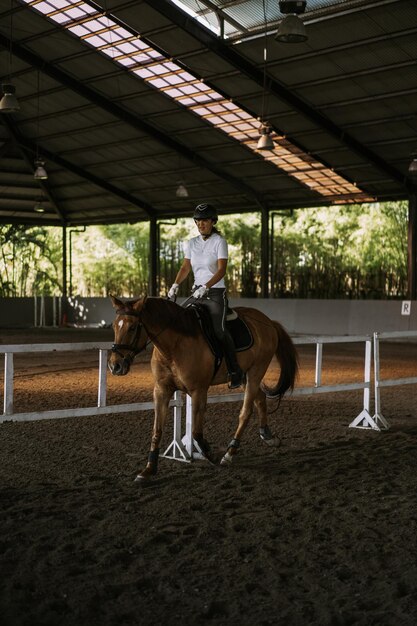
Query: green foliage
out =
(243, 234)
(111, 260)
(30, 261)
(172, 236)
(351, 251)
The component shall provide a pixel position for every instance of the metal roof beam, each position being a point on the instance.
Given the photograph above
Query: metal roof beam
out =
(129, 118)
(23, 142)
(17, 137)
(221, 14)
(229, 54)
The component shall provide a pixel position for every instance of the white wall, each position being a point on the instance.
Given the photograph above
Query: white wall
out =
(336, 317)
(311, 317)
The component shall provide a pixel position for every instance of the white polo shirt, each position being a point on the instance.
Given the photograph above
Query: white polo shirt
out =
(204, 256)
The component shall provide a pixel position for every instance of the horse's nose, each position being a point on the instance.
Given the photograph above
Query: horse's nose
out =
(115, 368)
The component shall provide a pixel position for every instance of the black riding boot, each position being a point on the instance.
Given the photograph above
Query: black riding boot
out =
(237, 375)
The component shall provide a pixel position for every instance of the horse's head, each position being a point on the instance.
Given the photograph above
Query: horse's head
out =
(129, 335)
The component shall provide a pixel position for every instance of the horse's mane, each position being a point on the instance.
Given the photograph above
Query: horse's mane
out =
(171, 315)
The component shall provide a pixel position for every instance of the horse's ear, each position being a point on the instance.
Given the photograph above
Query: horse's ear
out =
(140, 303)
(117, 304)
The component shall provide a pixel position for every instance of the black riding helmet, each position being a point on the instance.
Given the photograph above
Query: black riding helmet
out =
(205, 212)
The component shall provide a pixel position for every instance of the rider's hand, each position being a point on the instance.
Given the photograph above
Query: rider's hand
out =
(173, 291)
(200, 292)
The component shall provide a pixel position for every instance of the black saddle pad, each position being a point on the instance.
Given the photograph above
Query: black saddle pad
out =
(241, 335)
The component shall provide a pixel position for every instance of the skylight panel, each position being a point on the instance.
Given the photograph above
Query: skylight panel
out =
(133, 53)
(197, 17)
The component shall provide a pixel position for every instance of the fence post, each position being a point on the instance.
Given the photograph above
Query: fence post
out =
(102, 378)
(8, 383)
(188, 438)
(42, 319)
(176, 449)
(319, 359)
(378, 417)
(364, 419)
(54, 299)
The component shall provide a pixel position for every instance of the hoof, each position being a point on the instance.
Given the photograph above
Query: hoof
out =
(270, 439)
(274, 442)
(204, 450)
(227, 459)
(145, 476)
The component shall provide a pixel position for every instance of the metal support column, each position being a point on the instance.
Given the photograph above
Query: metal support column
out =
(64, 261)
(265, 253)
(412, 247)
(63, 308)
(153, 256)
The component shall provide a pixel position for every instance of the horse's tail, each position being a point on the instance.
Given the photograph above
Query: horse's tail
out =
(287, 356)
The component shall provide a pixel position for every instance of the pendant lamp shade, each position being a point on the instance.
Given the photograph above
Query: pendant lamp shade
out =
(40, 171)
(265, 140)
(182, 191)
(412, 170)
(291, 30)
(39, 208)
(9, 102)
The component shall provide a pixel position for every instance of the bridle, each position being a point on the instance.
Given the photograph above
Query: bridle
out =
(133, 351)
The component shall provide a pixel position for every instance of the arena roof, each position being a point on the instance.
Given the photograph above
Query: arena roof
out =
(124, 100)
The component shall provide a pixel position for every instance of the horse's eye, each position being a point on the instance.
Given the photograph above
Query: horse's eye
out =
(132, 329)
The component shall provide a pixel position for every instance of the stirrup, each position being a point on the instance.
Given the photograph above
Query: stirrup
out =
(237, 379)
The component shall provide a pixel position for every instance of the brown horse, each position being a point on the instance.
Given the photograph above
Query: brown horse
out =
(183, 360)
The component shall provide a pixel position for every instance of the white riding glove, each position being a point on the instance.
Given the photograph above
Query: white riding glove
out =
(173, 291)
(200, 291)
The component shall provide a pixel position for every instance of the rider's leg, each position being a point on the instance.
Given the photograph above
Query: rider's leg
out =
(217, 305)
(237, 376)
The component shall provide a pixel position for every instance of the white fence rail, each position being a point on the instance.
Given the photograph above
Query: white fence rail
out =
(101, 409)
(183, 447)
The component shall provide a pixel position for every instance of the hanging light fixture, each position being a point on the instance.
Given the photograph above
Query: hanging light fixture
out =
(292, 29)
(9, 102)
(40, 171)
(412, 168)
(265, 140)
(39, 207)
(182, 191)
(265, 129)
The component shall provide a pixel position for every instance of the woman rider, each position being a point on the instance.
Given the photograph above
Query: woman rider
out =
(206, 255)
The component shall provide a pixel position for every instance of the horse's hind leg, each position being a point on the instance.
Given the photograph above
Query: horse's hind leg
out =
(162, 396)
(264, 430)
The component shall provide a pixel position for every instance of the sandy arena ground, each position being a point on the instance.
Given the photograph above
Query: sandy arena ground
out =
(320, 531)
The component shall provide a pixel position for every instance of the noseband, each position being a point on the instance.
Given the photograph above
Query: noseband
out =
(116, 347)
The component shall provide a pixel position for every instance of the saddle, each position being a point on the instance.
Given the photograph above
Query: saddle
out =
(239, 331)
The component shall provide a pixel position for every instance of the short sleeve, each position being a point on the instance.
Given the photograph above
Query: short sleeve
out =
(222, 252)
(187, 251)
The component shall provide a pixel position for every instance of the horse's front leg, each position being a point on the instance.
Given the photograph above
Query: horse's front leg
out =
(161, 395)
(246, 411)
(199, 404)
